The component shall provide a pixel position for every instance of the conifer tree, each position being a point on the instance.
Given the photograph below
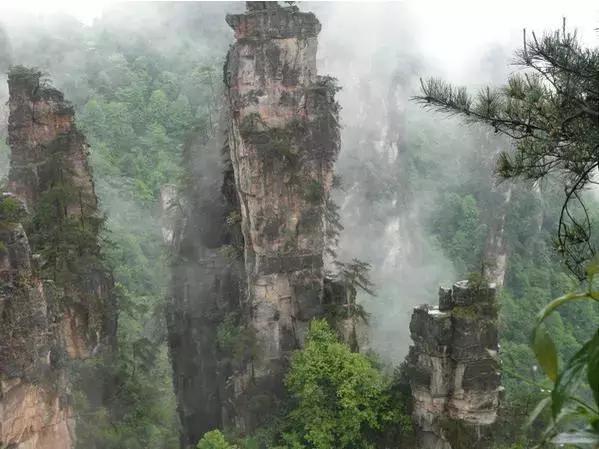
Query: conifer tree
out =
(551, 111)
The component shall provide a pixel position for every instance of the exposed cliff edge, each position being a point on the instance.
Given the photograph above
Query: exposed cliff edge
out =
(55, 293)
(453, 368)
(283, 140)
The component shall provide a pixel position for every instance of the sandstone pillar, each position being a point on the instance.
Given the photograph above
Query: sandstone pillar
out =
(283, 140)
(454, 370)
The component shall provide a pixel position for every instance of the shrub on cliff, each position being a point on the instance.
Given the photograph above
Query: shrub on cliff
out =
(11, 209)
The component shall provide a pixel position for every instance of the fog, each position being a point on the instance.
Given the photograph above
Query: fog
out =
(377, 51)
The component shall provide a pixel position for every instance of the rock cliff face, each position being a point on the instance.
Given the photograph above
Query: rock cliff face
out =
(454, 370)
(45, 144)
(283, 140)
(33, 412)
(55, 295)
(248, 229)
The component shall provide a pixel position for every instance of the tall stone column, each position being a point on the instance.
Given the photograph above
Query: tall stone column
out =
(496, 248)
(50, 174)
(454, 369)
(56, 296)
(33, 411)
(283, 140)
(44, 141)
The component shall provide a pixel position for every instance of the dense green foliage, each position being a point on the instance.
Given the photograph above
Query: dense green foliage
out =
(336, 398)
(214, 440)
(573, 383)
(459, 228)
(11, 210)
(66, 242)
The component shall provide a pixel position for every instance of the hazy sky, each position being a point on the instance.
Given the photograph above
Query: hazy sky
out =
(462, 28)
(465, 18)
(454, 32)
(84, 10)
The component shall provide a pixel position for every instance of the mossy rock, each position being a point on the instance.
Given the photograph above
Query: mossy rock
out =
(12, 210)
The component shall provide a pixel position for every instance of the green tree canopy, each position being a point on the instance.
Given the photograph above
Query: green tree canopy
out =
(214, 440)
(338, 397)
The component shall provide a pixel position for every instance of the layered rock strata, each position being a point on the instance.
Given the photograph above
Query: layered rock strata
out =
(283, 140)
(454, 370)
(49, 173)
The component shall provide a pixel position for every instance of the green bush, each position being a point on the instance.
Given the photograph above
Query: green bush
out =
(11, 210)
(338, 398)
(214, 440)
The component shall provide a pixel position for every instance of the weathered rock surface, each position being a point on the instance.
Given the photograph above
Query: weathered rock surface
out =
(454, 370)
(56, 299)
(283, 139)
(32, 416)
(49, 172)
(247, 230)
(44, 141)
(33, 413)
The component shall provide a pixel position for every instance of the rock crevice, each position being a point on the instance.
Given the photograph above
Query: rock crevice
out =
(201, 229)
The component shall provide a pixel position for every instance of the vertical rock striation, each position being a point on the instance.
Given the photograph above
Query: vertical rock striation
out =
(454, 369)
(49, 172)
(55, 294)
(283, 139)
(44, 141)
